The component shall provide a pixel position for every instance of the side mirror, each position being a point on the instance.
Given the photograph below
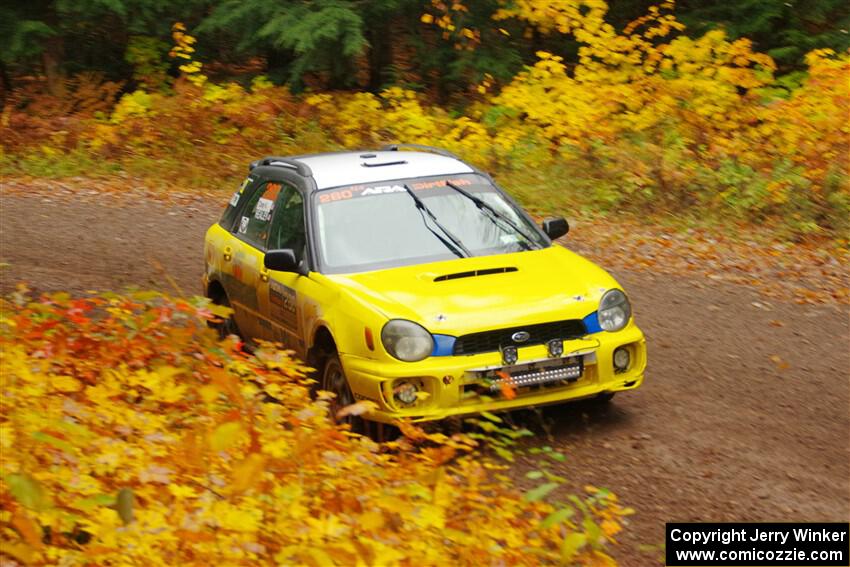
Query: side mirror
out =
(281, 260)
(556, 228)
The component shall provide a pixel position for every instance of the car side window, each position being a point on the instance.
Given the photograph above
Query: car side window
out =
(287, 230)
(231, 212)
(256, 215)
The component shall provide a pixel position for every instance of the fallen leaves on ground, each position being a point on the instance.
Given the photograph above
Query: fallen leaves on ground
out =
(131, 435)
(805, 273)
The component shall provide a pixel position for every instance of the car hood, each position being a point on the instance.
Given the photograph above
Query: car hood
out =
(459, 296)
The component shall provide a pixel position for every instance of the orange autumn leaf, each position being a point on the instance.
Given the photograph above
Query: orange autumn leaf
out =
(506, 385)
(28, 529)
(779, 362)
(247, 473)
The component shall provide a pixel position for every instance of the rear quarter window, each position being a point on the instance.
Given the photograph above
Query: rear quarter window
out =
(228, 218)
(255, 215)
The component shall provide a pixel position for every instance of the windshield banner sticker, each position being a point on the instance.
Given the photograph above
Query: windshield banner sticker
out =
(439, 183)
(367, 190)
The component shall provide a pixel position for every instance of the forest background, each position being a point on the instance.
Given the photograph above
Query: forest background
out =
(725, 113)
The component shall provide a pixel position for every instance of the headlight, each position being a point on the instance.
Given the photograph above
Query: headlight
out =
(406, 340)
(614, 310)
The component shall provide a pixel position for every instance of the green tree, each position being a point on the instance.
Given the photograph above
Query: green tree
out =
(785, 30)
(323, 36)
(21, 36)
(477, 47)
(27, 33)
(37, 35)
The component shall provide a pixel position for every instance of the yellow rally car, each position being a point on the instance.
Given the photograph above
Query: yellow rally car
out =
(408, 278)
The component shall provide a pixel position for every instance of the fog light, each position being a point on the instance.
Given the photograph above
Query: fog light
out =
(555, 347)
(405, 392)
(509, 355)
(621, 359)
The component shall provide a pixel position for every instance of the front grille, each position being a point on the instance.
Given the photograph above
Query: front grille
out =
(489, 341)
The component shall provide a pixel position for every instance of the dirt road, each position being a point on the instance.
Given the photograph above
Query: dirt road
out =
(744, 416)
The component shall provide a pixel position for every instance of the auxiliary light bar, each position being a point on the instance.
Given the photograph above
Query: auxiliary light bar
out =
(539, 377)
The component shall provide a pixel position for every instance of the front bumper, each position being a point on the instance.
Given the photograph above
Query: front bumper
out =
(460, 385)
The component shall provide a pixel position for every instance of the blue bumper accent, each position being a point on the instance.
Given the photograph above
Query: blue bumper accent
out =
(443, 345)
(591, 323)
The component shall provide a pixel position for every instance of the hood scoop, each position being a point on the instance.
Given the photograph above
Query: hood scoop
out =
(475, 273)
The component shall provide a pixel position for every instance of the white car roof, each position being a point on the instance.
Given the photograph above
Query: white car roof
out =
(346, 168)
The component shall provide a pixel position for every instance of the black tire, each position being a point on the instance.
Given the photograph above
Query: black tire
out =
(225, 327)
(334, 380)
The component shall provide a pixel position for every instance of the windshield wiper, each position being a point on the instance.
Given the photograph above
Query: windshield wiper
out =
(452, 243)
(495, 215)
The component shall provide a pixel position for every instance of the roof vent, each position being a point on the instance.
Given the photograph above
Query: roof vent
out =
(475, 273)
(382, 164)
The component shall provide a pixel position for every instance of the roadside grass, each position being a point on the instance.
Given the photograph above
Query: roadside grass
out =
(569, 189)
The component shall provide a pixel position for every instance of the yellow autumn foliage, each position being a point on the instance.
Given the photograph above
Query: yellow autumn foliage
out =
(131, 435)
(666, 119)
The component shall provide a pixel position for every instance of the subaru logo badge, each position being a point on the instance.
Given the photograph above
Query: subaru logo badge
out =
(520, 336)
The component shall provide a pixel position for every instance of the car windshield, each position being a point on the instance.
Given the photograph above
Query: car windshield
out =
(369, 227)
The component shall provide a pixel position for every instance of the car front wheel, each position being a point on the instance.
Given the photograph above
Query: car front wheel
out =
(334, 381)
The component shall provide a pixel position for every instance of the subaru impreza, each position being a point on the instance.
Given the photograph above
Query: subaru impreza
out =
(408, 278)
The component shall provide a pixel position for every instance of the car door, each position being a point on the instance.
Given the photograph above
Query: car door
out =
(251, 231)
(283, 296)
